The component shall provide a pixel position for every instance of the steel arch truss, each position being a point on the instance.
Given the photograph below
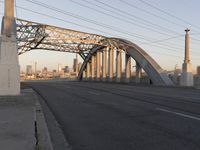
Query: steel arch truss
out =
(154, 71)
(31, 35)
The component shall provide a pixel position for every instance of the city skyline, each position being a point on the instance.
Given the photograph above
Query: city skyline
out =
(171, 49)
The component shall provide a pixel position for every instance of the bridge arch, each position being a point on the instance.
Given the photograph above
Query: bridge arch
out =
(32, 35)
(150, 66)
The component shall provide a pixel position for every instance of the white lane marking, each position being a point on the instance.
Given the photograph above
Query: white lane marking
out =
(94, 93)
(179, 114)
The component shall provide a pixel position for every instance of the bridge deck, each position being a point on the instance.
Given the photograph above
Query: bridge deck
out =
(123, 117)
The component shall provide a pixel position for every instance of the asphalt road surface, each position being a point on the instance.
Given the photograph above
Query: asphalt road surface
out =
(106, 116)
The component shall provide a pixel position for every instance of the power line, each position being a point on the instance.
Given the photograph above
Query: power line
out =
(196, 39)
(150, 13)
(56, 18)
(133, 16)
(97, 10)
(165, 54)
(116, 29)
(127, 15)
(61, 19)
(167, 13)
(89, 28)
(109, 27)
(65, 20)
(194, 33)
(61, 11)
(119, 18)
(167, 39)
(118, 10)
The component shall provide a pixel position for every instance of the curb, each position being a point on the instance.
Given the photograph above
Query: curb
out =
(50, 135)
(43, 140)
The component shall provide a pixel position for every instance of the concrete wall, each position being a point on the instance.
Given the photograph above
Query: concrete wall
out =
(197, 82)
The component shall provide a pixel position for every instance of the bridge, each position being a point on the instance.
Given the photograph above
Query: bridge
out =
(92, 115)
(32, 36)
(91, 47)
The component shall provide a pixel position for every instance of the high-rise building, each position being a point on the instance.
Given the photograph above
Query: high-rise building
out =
(29, 70)
(74, 64)
(66, 69)
(79, 65)
(44, 72)
(198, 70)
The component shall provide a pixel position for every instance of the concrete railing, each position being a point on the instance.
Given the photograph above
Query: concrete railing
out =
(197, 82)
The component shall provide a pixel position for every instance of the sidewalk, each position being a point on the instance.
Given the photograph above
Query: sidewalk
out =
(17, 121)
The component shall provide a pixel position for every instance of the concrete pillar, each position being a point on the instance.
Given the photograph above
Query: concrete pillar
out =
(9, 8)
(8, 24)
(128, 67)
(98, 64)
(111, 50)
(88, 71)
(77, 65)
(104, 62)
(138, 72)
(84, 75)
(119, 65)
(187, 46)
(187, 75)
(93, 67)
(9, 65)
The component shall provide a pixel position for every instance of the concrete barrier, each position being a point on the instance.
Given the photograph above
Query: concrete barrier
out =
(197, 82)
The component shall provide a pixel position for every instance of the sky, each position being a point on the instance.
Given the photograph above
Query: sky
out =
(156, 26)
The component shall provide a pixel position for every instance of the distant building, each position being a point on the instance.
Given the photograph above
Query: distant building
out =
(74, 64)
(29, 70)
(79, 65)
(198, 70)
(54, 73)
(44, 72)
(176, 75)
(66, 69)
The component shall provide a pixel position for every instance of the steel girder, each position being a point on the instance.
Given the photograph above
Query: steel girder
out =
(31, 35)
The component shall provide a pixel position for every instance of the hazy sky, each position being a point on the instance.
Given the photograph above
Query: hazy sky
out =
(161, 28)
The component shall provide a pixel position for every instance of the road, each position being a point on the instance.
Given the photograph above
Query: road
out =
(108, 116)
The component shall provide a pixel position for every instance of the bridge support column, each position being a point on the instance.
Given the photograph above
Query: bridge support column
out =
(93, 67)
(187, 76)
(98, 64)
(104, 60)
(138, 73)
(119, 65)
(128, 68)
(77, 66)
(111, 50)
(88, 71)
(9, 65)
(84, 75)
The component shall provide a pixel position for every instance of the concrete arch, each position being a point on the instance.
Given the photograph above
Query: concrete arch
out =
(83, 67)
(150, 66)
